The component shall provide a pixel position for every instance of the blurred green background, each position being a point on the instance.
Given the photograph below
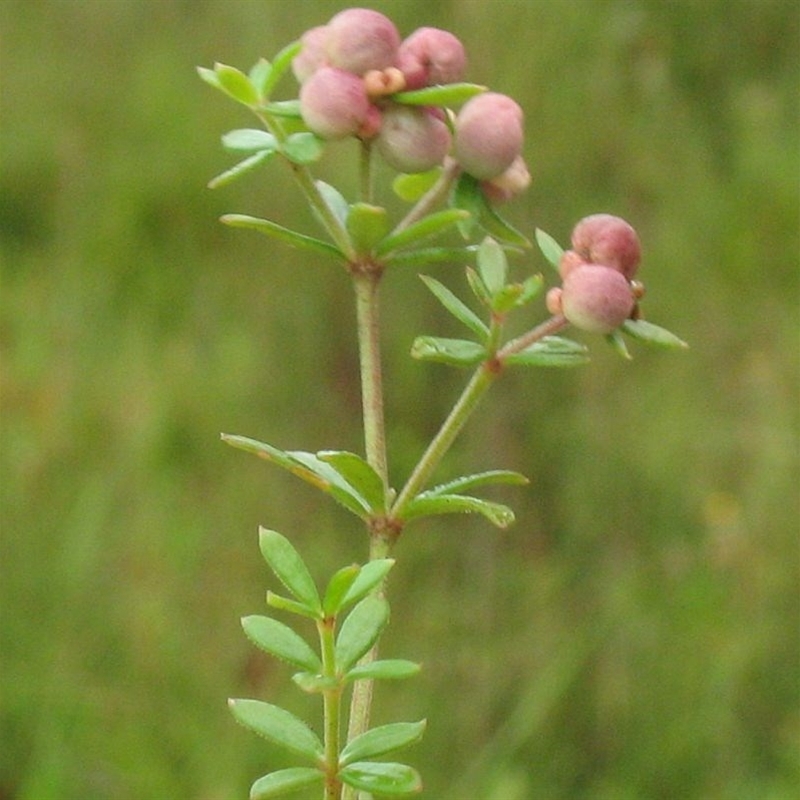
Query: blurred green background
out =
(634, 635)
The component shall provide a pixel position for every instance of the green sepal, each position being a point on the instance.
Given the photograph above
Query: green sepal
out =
(468, 482)
(492, 265)
(338, 587)
(551, 351)
(410, 187)
(449, 94)
(457, 308)
(280, 65)
(242, 168)
(422, 229)
(468, 195)
(381, 740)
(455, 352)
(314, 683)
(427, 504)
(360, 630)
(292, 606)
(303, 148)
(370, 575)
(649, 333)
(278, 725)
(367, 225)
(249, 140)
(236, 84)
(617, 343)
(390, 669)
(289, 109)
(384, 778)
(429, 255)
(281, 641)
(285, 235)
(551, 249)
(289, 567)
(284, 781)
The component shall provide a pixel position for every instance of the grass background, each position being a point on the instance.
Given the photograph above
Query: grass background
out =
(634, 635)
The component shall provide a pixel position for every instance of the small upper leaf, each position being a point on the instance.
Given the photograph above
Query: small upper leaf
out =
(411, 187)
(383, 669)
(360, 630)
(457, 308)
(370, 575)
(381, 740)
(272, 229)
(280, 65)
(303, 148)
(236, 84)
(281, 641)
(550, 248)
(492, 265)
(289, 567)
(649, 333)
(249, 140)
(450, 94)
(551, 351)
(422, 229)
(427, 504)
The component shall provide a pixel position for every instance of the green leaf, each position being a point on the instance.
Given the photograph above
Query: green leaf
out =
(285, 235)
(551, 351)
(393, 780)
(236, 84)
(335, 201)
(492, 265)
(467, 194)
(649, 333)
(367, 225)
(359, 475)
(456, 352)
(617, 342)
(338, 587)
(259, 76)
(450, 94)
(381, 740)
(500, 228)
(280, 65)
(550, 248)
(292, 606)
(281, 641)
(249, 140)
(531, 287)
(314, 683)
(284, 781)
(242, 168)
(210, 77)
(457, 308)
(289, 567)
(385, 669)
(429, 255)
(303, 148)
(278, 725)
(478, 287)
(467, 482)
(360, 630)
(422, 229)
(425, 505)
(284, 108)
(337, 486)
(370, 575)
(411, 187)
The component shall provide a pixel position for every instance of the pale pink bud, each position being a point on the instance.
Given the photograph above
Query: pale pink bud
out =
(552, 300)
(312, 56)
(515, 180)
(569, 260)
(360, 39)
(334, 103)
(606, 239)
(430, 56)
(412, 139)
(488, 135)
(596, 298)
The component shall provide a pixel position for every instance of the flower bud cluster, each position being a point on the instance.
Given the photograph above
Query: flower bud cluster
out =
(348, 70)
(598, 292)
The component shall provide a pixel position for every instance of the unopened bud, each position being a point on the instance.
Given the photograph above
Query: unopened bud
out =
(334, 103)
(596, 298)
(515, 180)
(431, 56)
(360, 39)
(609, 240)
(569, 260)
(412, 139)
(312, 55)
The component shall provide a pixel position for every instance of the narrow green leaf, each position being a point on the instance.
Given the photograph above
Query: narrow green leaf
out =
(278, 725)
(370, 575)
(531, 288)
(303, 148)
(487, 478)
(236, 84)
(314, 683)
(280, 65)
(284, 108)
(426, 505)
(338, 587)
(292, 606)
(501, 228)
(359, 475)
(249, 140)
(457, 308)
(550, 248)
(429, 255)
(384, 669)
(259, 75)
(284, 781)
(649, 333)
(335, 201)
(450, 94)
(288, 566)
(392, 780)
(286, 235)
(381, 740)
(411, 187)
(367, 225)
(617, 342)
(467, 194)
(551, 351)
(456, 352)
(242, 168)
(492, 265)
(281, 641)
(478, 287)
(360, 630)
(423, 229)
(337, 486)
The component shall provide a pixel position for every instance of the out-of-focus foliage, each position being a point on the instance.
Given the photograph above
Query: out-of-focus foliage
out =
(634, 635)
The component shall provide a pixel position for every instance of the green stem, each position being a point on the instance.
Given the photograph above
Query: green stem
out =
(332, 701)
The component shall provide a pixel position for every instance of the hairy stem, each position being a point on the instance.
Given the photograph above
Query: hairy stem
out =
(332, 701)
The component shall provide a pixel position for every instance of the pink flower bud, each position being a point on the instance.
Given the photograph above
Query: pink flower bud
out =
(569, 260)
(515, 180)
(596, 298)
(552, 300)
(488, 135)
(430, 56)
(334, 103)
(360, 39)
(412, 139)
(609, 240)
(312, 55)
